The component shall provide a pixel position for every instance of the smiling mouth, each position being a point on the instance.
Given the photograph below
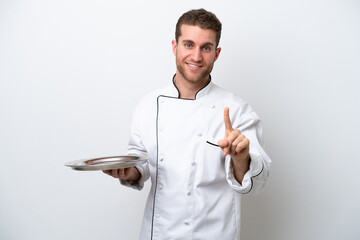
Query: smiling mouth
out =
(194, 66)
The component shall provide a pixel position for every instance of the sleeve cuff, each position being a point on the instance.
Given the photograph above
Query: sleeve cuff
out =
(256, 167)
(138, 185)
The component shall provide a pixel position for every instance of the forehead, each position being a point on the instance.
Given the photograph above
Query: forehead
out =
(197, 34)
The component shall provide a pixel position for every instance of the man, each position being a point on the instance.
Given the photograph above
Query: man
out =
(196, 184)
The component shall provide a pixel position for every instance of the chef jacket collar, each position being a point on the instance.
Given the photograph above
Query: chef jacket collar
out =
(202, 92)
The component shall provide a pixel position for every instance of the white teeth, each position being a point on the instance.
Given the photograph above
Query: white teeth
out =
(192, 65)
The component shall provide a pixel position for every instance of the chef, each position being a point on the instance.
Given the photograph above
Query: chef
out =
(204, 144)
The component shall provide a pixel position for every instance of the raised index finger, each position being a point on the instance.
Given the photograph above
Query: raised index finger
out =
(227, 121)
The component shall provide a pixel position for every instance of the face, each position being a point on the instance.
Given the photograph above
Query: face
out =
(195, 54)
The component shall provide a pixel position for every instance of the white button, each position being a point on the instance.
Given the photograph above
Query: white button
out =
(160, 187)
(199, 134)
(161, 157)
(186, 222)
(162, 100)
(188, 193)
(212, 106)
(193, 163)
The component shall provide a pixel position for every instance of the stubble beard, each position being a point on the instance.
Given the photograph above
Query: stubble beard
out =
(203, 76)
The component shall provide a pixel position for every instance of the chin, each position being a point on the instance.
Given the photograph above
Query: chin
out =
(193, 79)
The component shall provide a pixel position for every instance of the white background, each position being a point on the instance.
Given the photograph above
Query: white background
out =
(71, 72)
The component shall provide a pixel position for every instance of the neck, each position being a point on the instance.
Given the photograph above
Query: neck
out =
(189, 89)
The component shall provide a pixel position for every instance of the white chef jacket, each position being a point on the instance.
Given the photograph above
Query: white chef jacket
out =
(194, 194)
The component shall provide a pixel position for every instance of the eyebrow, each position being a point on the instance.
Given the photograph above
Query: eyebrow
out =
(207, 43)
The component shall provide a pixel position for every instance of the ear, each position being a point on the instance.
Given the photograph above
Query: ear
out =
(217, 53)
(174, 46)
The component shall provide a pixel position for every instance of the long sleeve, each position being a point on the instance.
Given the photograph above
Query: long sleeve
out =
(256, 178)
(136, 147)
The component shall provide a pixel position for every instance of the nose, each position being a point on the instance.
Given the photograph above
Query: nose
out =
(197, 55)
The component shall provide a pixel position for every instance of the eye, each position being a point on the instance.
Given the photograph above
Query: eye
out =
(188, 45)
(206, 48)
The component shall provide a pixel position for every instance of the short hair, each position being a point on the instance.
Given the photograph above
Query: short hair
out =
(202, 18)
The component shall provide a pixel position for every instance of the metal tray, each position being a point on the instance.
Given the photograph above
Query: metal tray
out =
(107, 163)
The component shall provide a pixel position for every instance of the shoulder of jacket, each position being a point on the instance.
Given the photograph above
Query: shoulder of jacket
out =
(151, 97)
(228, 96)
